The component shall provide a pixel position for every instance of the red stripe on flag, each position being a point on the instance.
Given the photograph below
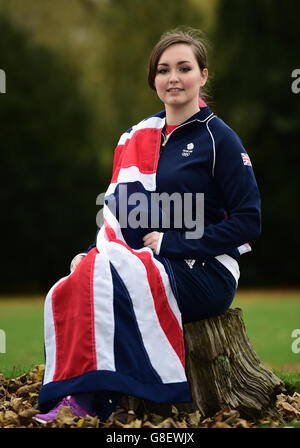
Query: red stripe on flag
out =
(73, 313)
(128, 155)
(166, 317)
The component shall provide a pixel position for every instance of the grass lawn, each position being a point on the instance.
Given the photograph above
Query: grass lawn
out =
(22, 321)
(270, 317)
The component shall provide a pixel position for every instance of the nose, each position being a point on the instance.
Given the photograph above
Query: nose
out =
(173, 76)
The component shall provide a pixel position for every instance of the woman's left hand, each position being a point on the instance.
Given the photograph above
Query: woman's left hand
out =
(151, 240)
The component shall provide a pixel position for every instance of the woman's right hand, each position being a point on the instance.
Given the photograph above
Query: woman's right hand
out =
(76, 260)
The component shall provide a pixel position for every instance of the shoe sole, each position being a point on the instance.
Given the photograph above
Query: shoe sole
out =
(39, 420)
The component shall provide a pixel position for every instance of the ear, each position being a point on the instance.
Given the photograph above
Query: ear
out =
(204, 76)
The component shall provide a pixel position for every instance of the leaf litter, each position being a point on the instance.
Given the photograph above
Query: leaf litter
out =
(19, 401)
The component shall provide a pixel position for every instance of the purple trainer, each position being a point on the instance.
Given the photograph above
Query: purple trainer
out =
(69, 401)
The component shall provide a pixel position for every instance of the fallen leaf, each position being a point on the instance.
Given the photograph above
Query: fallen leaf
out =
(25, 390)
(25, 416)
(290, 409)
(40, 372)
(16, 403)
(156, 419)
(194, 419)
(148, 424)
(80, 422)
(121, 417)
(168, 423)
(65, 416)
(137, 423)
(221, 425)
(10, 417)
(90, 422)
(174, 411)
(241, 423)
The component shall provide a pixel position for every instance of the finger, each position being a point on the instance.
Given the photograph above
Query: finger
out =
(148, 243)
(147, 236)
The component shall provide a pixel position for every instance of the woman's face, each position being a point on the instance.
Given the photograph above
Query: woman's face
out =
(179, 78)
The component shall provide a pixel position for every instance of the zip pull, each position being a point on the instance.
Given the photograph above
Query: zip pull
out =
(165, 140)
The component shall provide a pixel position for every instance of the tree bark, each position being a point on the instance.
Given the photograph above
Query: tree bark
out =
(223, 371)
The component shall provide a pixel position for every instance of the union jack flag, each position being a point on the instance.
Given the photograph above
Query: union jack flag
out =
(246, 159)
(114, 324)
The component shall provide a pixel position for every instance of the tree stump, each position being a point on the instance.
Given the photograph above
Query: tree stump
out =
(223, 371)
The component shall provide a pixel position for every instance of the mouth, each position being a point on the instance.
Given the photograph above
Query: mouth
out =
(174, 89)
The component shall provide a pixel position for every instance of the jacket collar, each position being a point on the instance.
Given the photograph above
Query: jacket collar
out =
(203, 114)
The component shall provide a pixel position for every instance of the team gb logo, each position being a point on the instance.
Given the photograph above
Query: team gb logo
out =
(188, 150)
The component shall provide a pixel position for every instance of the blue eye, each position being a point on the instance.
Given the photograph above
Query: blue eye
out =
(162, 71)
(185, 69)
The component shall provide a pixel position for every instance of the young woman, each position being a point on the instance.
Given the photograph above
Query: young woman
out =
(178, 274)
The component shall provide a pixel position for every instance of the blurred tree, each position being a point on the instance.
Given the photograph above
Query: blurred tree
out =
(256, 48)
(71, 29)
(50, 175)
(94, 37)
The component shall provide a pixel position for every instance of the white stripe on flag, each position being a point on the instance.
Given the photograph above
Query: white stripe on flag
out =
(50, 336)
(104, 313)
(152, 122)
(161, 354)
(133, 174)
(114, 223)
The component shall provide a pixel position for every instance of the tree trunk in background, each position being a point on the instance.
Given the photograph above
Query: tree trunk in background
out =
(223, 371)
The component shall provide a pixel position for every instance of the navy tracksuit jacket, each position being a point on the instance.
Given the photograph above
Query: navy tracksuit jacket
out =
(204, 155)
(217, 165)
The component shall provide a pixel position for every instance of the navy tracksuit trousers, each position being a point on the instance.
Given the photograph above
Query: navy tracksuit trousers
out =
(205, 290)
